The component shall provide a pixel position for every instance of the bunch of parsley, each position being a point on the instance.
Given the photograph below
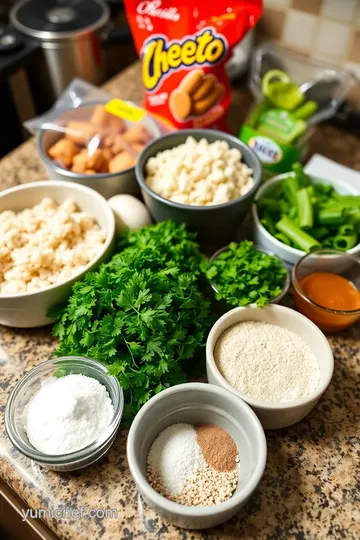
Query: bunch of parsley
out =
(243, 275)
(143, 313)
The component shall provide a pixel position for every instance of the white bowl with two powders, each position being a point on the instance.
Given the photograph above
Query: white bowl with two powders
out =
(273, 358)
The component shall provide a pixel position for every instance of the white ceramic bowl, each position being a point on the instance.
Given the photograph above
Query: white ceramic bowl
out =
(265, 240)
(28, 310)
(198, 403)
(275, 415)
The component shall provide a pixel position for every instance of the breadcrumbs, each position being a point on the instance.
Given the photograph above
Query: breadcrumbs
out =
(205, 487)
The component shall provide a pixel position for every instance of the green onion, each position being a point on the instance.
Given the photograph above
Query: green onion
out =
(293, 213)
(345, 242)
(301, 178)
(271, 205)
(311, 191)
(304, 208)
(285, 206)
(291, 187)
(348, 199)
(299, 237)
(282, 238)
(324, 189)
(319, 232)
(355, 220)
(268, 223)
(328, 216)
(340, 205)
(329, 242)
(314, 209)
(346, 230)
(353, 211)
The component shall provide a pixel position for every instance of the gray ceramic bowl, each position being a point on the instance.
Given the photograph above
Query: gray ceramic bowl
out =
(211, 222)
(198, 403)
(107, 184)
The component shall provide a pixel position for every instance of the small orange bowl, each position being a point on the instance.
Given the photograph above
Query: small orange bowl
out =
(335, 262)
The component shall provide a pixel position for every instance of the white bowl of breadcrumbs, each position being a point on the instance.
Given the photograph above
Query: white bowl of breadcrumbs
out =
(274, 358)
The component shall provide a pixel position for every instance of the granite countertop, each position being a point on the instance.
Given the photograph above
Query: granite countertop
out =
(311, 485)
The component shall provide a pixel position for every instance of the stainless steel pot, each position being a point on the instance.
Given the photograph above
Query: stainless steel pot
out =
(71, 34)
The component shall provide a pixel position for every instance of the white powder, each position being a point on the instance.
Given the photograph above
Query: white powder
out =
(266, 362)
(175, 456)
(67, 414)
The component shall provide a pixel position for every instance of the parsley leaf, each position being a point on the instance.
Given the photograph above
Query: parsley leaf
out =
(144, 314)
(243, 275)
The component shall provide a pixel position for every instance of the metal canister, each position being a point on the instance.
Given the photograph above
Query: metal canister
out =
(70, 34)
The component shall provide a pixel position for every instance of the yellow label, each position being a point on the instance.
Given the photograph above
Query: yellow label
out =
(125, 110)
(161, 58)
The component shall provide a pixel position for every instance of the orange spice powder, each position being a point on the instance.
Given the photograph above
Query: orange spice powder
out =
(217, 446)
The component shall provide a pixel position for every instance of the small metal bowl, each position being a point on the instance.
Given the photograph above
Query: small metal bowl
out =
(276, 299)
(30, 383)
(107, 184)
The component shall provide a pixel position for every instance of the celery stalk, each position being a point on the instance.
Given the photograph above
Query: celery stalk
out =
(304, 208)
(299, 237)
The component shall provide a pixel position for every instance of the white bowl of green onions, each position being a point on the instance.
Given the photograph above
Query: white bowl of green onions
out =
(295, 213)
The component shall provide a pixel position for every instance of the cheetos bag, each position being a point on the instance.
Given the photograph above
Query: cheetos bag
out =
(183, 48)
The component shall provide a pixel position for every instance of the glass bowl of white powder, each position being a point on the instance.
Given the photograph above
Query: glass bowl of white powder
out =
(64, 413)
(273, 358)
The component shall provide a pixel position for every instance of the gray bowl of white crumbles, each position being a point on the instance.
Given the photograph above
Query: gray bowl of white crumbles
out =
(202, 177)
(273, 358)
(160, 441)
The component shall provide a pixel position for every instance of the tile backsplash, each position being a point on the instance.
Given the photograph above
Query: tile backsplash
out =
(328, 30)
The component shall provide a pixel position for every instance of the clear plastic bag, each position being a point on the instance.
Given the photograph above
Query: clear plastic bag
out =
(323, 83)
(87, 132)
(292, 94)
(77, 93)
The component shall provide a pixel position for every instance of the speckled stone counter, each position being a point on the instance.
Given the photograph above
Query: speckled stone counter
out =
(310, 489)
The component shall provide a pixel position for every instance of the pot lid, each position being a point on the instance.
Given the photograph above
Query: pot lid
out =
(58, 19)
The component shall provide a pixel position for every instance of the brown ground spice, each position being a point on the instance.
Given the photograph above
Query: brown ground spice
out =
(217, 446)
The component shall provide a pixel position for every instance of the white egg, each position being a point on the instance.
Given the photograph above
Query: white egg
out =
(129, 212)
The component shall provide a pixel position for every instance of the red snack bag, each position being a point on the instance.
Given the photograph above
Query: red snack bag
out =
(183, 47)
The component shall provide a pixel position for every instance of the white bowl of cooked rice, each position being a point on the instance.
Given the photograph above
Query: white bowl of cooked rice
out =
(51, 234)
